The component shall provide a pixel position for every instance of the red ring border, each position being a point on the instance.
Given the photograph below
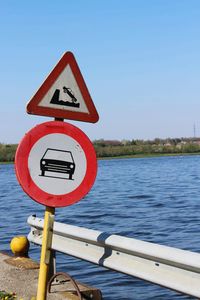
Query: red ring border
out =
(22, 171)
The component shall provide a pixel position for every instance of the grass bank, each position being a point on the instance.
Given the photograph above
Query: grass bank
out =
(147, 155)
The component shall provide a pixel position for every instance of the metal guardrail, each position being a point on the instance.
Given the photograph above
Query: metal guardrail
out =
(173, 268)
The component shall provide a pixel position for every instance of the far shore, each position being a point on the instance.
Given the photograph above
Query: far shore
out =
(147, 155)
(150, 155)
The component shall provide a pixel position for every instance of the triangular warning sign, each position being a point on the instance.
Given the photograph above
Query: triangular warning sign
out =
(64, 94)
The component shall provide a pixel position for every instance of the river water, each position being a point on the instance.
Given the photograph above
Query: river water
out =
(152, 199)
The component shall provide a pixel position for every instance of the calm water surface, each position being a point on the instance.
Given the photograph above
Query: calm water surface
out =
(153, 199)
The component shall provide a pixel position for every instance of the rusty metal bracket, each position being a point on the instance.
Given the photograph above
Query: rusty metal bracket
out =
(69, 278)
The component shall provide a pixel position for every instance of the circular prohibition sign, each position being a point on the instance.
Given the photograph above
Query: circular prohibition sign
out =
(56, 164)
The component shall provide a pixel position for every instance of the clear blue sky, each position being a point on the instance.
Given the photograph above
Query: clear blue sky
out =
(140, 60)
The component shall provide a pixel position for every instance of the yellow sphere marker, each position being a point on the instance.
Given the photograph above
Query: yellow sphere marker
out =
(19, 245)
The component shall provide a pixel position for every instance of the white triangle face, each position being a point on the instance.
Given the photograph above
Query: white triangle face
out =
(65, 94)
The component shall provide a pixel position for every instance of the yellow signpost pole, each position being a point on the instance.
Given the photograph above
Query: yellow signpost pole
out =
(45, 252)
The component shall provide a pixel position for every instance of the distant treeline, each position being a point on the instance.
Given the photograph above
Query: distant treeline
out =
(7, 152)
(114, 148)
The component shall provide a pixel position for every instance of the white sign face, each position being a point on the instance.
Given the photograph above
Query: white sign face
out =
(65, 94)
(57, 164)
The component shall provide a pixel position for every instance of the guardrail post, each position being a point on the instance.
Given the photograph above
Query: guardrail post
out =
(52, 264)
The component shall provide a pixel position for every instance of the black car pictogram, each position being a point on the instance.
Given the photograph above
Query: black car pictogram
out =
(59, 161)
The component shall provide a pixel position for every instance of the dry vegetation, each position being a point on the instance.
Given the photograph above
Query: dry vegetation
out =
(115, 148)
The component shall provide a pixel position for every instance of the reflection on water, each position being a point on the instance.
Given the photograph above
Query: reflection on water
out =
(153, 199)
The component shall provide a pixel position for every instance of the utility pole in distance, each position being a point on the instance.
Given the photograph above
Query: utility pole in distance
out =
(194, 128)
